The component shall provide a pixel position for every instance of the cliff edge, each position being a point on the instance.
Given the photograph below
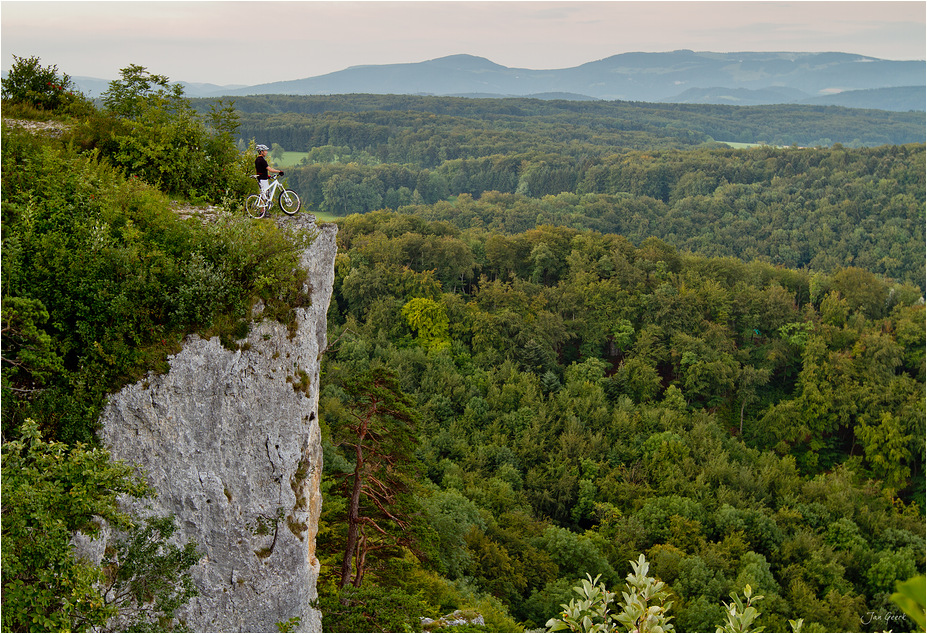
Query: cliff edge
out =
(230, 442)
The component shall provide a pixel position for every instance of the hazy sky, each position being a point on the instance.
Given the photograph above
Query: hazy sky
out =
(248, 43)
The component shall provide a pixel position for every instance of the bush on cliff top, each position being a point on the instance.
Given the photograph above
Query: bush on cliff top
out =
(101, 281)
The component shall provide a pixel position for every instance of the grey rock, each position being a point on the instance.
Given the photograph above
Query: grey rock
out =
(230, 442)
(457, 618)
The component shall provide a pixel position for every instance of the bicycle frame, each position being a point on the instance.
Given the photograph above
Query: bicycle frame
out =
(267, 196)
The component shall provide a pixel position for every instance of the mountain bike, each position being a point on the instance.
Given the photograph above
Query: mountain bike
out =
(257, 205)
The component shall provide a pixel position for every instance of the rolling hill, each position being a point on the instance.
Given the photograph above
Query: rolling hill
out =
(652, 77)
(684, 76)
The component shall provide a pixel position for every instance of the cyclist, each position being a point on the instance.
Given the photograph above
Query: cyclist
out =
(263, 169)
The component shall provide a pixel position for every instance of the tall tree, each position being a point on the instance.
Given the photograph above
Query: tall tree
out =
(380, 433)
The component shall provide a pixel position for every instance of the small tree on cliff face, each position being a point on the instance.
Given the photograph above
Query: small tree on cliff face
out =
(380, 432)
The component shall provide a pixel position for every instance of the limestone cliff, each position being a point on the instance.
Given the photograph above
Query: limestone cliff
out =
(230, 442)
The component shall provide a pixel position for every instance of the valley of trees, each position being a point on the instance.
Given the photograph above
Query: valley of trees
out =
(294, 120)
(583, 400)
(620, 339)
(615, 168)
(559, 340)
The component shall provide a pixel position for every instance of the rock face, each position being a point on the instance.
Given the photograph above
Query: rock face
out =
(230, 442)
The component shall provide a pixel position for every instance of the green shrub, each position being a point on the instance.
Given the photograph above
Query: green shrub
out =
(40, 87)
(700, 616)
(371, 609)
(149, 131)
(121, 279)
(892, 566)
(574, 553)
(50, 491)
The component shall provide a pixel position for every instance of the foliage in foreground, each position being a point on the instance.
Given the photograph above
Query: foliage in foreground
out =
(911, 597)
(52, 490)
(149, 129)
(593, 610)
(644, 605)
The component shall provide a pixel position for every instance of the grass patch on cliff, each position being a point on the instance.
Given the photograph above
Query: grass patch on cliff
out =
(301, 385)
(324, 216)
(297, 528)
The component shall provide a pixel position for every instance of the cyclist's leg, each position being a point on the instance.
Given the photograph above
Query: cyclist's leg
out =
(265, 192)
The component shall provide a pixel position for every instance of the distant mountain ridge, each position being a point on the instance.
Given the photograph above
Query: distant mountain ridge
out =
(684, 76)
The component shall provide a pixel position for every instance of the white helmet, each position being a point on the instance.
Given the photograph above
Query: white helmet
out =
(262, 148)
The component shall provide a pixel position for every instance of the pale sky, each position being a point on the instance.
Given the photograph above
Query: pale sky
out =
(222, 42)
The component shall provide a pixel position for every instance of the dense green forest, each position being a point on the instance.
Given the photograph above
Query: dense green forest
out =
(296, 119)
(555, 345)
(621, 340)
(796, 208)
(583, 400)
(510, 165)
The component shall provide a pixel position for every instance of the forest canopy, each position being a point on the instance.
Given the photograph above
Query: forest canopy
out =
(625, 341)
(686, 124)
(583, 400)
(511, 164)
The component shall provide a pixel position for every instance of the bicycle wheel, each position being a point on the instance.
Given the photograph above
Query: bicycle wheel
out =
(289, 202)
(253, 206)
